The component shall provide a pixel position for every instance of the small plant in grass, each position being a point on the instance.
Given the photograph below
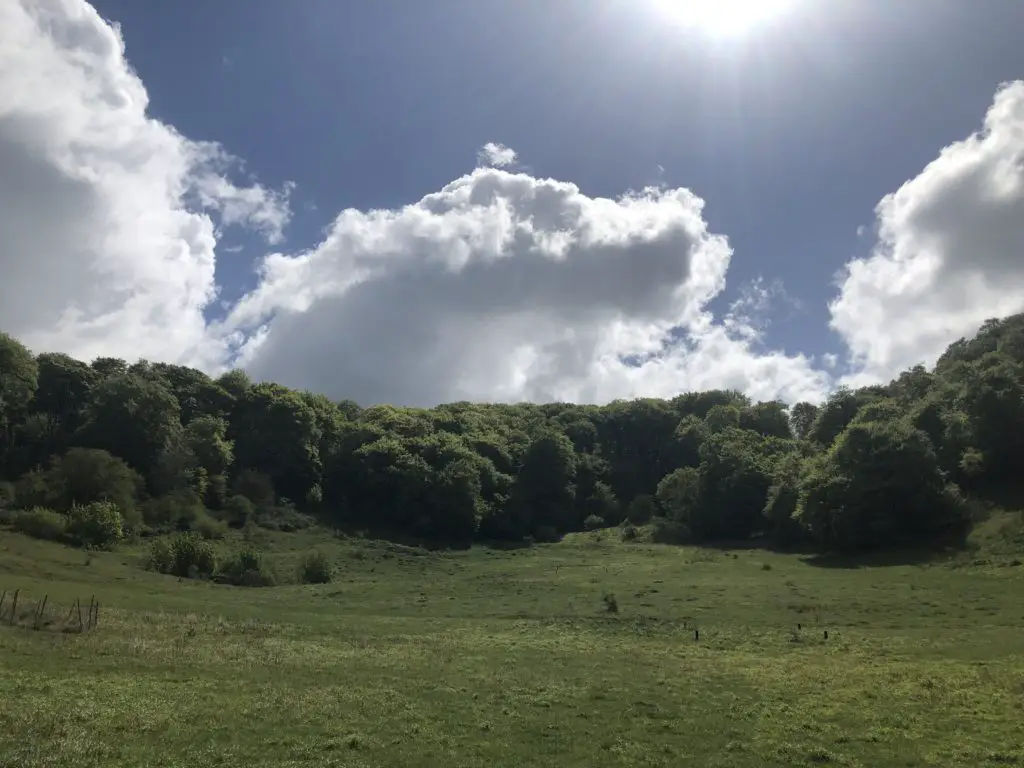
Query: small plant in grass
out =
(611, 604)
(315, 568)
(628, 532)
(95, 525)
(41, 523)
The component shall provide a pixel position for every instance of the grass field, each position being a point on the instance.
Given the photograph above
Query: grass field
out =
(485, 657)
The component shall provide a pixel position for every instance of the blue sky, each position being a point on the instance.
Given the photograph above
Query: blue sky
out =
(791, 133)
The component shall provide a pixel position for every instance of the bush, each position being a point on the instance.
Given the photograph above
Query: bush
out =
(641, 510)
(95, 525)
(161, 556)
(185, 556)
(6, 494)
(246, 569)
(315, 568)
(238, 511)
(593, 523)
(628, 533)
(208, 528)
(41, 523)
(665, 531)
(175, 511)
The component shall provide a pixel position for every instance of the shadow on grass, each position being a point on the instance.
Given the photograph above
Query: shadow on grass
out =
(877, 559)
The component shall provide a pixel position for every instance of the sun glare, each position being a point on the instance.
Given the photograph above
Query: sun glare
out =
(720, 17)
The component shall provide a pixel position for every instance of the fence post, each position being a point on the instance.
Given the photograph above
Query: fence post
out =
(2, 598)
(14, 606)
(78, 605)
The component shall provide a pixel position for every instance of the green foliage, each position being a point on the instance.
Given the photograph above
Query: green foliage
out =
(315, 568)
(132, 417)
(18, 378)
(880, 484)
(7, 494)
(678, 494)
(41, 523)
(245, 568)
(185, 556)
(97, 524)
(593, 523)
(208, 528)
(238, 510)
(177, 510)
(642, 509)
(165, 443)
(86, 475)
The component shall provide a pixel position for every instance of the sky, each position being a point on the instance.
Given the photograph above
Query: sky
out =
(572, 200)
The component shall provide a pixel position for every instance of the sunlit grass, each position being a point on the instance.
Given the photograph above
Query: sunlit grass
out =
(509, 658)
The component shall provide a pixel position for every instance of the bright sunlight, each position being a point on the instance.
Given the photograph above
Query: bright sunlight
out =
(721, 17)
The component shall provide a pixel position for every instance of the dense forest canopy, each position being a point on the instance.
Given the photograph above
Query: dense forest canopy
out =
(878, 466)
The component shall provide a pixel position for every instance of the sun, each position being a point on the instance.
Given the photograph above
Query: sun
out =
(721, 18)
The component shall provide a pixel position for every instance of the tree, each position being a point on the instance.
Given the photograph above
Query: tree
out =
(544, 491)
(18, 377)
(880, 484)
(679, 494)
(87, 475)
(274, 429)
(801, 418)
(133, 418)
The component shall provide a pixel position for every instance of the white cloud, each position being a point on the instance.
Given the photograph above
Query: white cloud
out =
(502, 286)
(950, 252)
(104, 247)
(496, 155)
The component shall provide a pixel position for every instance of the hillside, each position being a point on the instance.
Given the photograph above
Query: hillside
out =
(487, 657)
(171, 448)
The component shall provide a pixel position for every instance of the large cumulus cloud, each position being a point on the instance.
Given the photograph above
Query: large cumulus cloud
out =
(107, 217)
(501, 286)
(950, 251)
(505, 286)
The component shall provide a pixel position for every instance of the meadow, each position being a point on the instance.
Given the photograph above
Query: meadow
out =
(512, 657)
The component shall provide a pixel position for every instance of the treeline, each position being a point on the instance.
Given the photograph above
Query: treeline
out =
(170, 446)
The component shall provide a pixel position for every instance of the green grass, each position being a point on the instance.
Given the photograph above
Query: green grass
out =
(482, 658)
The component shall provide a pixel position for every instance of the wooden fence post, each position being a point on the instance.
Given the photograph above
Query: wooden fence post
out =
(37, 619)
(14, 606)
(78, 605)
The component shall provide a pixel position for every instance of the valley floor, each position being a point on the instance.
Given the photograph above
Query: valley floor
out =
(485, 658)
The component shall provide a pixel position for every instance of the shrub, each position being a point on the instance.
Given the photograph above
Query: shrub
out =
(641, 510)
(95, 525)
(208, 528)
(315, 568)
(628, 533)
(664, 531)
(85, 475)
(161, 556)
(283, 518)
(593, 523)
(176, 510)
(185, 556)
(6, 494)
(41, 523)
(246, 569)
(238, 510)
(32, 490)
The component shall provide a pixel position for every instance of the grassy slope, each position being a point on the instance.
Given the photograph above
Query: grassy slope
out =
(506, 658)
